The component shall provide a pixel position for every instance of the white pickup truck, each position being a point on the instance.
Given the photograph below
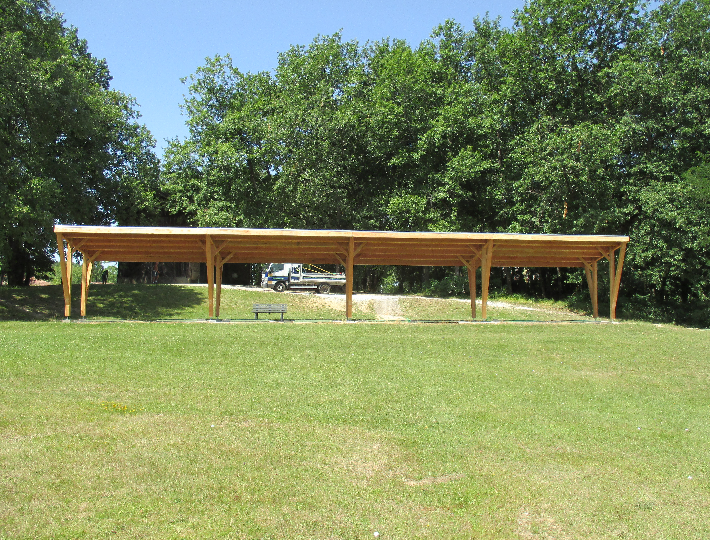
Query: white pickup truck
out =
(282, 276)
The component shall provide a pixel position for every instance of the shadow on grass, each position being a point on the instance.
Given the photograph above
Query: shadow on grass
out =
(139, 302)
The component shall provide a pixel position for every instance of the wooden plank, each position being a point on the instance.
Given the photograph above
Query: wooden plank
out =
(423, 258)
(229, 257)
(486, 277)
(209, 256)
(152, 256)
(536, 263)
(471, 267)
(220, 268)
(84, 284)
(471, 270)
(147, 249)
(393, 260)
(477, 250)
(595, 282)
(617, 281)
(612, 279)
(88, 276)
(590, 270)
(519, 252)
(66, 277)
(70, 255)
(279, 243)
(78, 244)
(513, 263)
(550, 252)
(220, 233)
(350, 264)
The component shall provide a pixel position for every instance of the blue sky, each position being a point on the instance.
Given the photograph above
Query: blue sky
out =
(151, 44)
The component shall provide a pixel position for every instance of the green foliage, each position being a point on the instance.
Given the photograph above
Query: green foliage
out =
(341, 136)
(177, 302)
(585, 117)
(97, 270)
(70, 148)
(699, 178)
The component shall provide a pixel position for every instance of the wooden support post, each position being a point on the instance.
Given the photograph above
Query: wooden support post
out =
(85, 275)
(615, 283)
(88, 275)
(487, 259)
(66, 273)
(472, 288)
(87, 267)
(70, 255)
(611, 258)
(614, 276)
(220, 268)
(590, 270)
(471, 268)
(209, 256)
(350, 265)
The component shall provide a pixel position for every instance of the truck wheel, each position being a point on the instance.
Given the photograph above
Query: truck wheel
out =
(279, 286)
(324, 288)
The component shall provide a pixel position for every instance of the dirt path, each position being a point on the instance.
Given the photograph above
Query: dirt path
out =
(387, 308)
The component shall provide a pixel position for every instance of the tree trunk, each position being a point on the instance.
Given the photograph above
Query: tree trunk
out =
(19, 269)
(508, 275)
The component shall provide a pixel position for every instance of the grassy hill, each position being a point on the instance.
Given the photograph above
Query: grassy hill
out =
(151, 302)
(194, 430)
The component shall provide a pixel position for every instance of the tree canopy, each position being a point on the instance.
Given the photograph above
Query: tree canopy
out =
(584, 117)
(71, 149)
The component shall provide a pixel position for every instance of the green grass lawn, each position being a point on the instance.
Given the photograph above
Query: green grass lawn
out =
(176, 302)
(194, 430)
(154, 302)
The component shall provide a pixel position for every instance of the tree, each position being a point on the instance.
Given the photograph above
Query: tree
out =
(221, 174)
(586, 117)
(70, 147)
(564, 139)
(320, 128)
(664, 89)
(699, 178)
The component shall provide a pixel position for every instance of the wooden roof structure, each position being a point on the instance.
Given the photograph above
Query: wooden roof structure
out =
(217, 246)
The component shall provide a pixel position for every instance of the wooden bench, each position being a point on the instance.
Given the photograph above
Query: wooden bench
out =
(269, 308)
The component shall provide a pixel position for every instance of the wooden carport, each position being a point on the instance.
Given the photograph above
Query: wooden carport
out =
(216, 247)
